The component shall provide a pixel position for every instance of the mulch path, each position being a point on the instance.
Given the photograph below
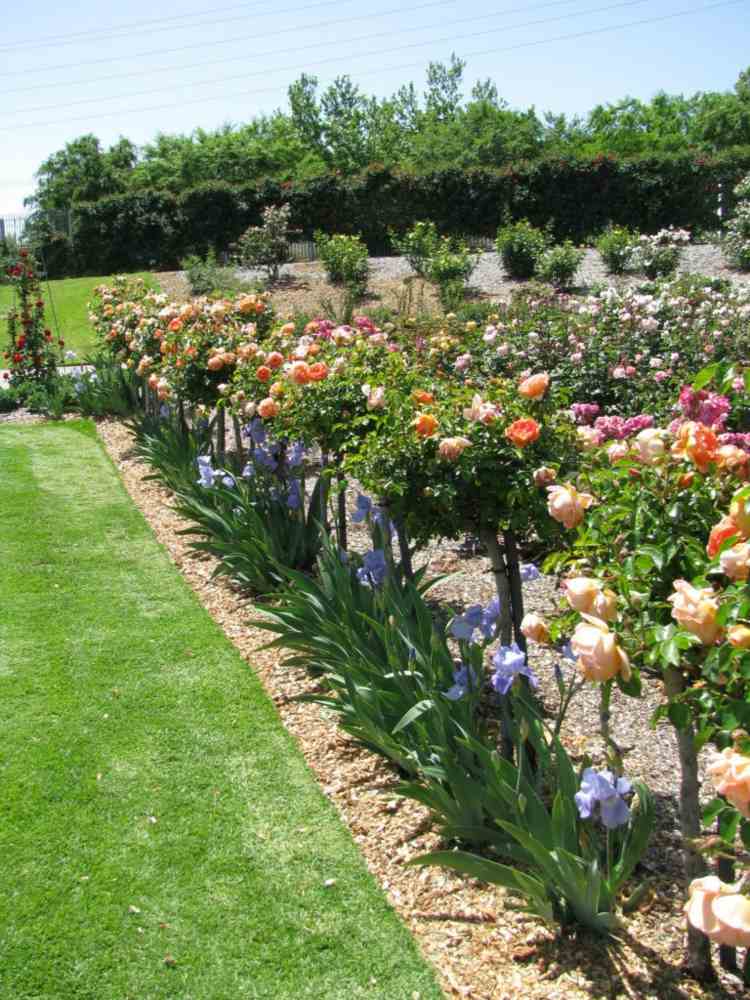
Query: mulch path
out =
(482, 948)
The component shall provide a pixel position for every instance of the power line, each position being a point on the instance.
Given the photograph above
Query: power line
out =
(361, 38)
(244, 38)
(387, 69)
(241, 58)
(121, 31)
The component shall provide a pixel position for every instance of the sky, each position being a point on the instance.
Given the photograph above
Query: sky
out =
(143, 68)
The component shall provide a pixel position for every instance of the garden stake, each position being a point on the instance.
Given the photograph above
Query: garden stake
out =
(405, 551)
(515, 586)
(341, 510)
(238, 439)
(725, 871)
(221, 435)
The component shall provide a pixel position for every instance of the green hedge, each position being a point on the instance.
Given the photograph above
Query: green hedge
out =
(577, 198)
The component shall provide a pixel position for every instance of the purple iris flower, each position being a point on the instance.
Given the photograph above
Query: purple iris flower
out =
(265, 459)
(294, 496)
(228, 481)
(295, 454)
(602, 788)
(464, 680)
(529, 572)
(256, 431)
(363, 509)
(205, 470)
(490, 614)
(249, 471)
(476, 618)
(510, 662)
(373, 570)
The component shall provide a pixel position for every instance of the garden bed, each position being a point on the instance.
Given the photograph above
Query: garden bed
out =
(481, 948)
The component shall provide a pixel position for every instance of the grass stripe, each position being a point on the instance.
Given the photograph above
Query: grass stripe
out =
(142, 765)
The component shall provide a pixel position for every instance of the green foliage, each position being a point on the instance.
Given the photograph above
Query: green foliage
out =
(9, 399)
(520, 246)
(615, 247)
(345, 260)
(559, 265)
(658, 255)
(449, 268)
(737, 232)
(204, 274)
(105, 388)
(32, 354)
(419, 245)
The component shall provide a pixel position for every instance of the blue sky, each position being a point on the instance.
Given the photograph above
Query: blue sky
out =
(141, 68)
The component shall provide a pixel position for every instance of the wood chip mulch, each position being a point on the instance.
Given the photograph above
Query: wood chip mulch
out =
(482, 947)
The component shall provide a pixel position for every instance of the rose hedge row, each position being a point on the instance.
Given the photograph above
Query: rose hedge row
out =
(577, 198)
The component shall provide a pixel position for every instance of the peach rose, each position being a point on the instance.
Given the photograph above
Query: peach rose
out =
(275, 359)
(566, 505)
(535, 386)
(599, 656)
(214, 364)
(175, 325)
(589, 597)
(276, 389)
(318, 371)
(423, 397)
(425, 424)
(523, 432)
(726, 528)
(696, 609)
(617, 451)
(589, 438)
(534, 627)
(730, 773)
(739, 636)
(375, 397)
(153, 381)
(452, 448)
(649, 445)
(735, 562)
(544, 476)
(299, 372)
(268, 408)
(730, 458)
(718, 910)
(263, 373)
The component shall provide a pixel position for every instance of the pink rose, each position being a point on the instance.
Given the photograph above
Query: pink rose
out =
(735, 562)
(718, 910)
(451, 448)
(730, 773)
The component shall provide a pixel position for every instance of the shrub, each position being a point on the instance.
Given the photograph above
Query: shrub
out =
(418, 245)
(449, 268)
(737, 235)
(345, 260)
(658, 256)
(266, 246)
(520, 245)
(32, 352)
(203, 273)
(559, 265)
(615, 247)
(9, 400)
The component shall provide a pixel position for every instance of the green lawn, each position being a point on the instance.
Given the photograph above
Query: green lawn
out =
(66, 301)
(152, 804)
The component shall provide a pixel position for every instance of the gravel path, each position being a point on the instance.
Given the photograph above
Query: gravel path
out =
(490, 279)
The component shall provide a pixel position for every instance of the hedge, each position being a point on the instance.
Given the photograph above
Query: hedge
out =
(576, 198)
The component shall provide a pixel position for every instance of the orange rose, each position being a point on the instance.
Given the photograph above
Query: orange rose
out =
(698, 443)
(175, 325)
(425, 424)
(263, 373)
(275, 360)
(423, 397)
(215, 364)
(300, 372)
(535, 386)
(318, 372)
(726, 528)
(523, 432)
(268, 408)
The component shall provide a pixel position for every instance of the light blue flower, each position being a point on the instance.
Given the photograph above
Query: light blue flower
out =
(464, 680)
(205, 470)
(529, 572)
(510, 662)
(295, 455)
(362, 510)
(373, 570)
(294, 496)
(602, 788)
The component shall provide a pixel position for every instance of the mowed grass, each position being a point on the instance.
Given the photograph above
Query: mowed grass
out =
(66, 309)
(160, 833)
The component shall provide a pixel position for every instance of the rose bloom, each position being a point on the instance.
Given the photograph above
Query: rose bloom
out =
(730, 773)
(276, 389)
(735, 562)
(566, 505)
(214, 364)
(730, 458)
(617, 451)
(599, 656)
(275, 359)
(299, 372)
(535, 627)
(544, 476)
(589, 597)
(589, 437)
(451, 448)
(263, 373)
(318, 371)
(175, 325)
(523, 432)
(696, 609)
(422, 396)
(268, 408)
(649, 445)
(739, 636)
(718, 910)
(425, 424)
(376, 398)
(698, 443)
(726, 528)
(535, 386)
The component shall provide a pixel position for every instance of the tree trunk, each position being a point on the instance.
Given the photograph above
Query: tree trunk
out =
(238, 441)
(513, 564)
(341, 511)
(499, 571)
(221, 435)
(698, 955)
(403, 548)
(727, 955)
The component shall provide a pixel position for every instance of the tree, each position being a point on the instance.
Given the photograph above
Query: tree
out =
(83, 171)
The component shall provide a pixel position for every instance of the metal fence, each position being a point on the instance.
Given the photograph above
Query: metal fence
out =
(26, 227)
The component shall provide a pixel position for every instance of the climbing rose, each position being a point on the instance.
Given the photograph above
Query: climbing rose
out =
(523, 432)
